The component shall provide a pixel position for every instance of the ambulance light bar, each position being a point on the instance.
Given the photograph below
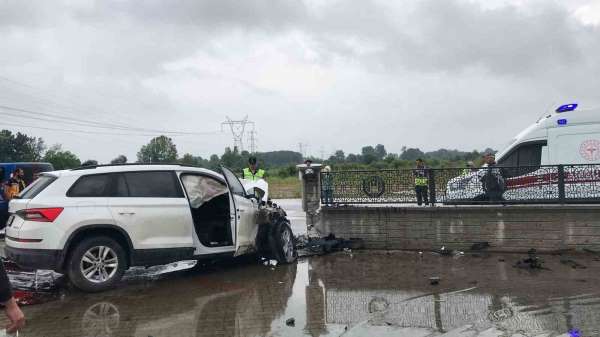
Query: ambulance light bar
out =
(567, 107)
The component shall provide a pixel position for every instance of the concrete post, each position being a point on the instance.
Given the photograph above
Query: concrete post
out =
(310, 175)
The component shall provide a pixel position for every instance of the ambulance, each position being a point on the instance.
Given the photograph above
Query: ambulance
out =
(529, 164)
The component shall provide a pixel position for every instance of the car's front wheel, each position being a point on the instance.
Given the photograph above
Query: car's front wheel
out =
(282, 242)
(96, 264)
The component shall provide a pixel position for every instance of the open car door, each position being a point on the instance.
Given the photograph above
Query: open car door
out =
(243, 214)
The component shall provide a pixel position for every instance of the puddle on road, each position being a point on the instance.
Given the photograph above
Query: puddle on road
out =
(366, 294)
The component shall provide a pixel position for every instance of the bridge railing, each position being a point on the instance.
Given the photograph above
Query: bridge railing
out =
(485, 185)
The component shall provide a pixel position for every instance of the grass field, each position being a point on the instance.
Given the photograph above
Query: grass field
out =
(284, 188)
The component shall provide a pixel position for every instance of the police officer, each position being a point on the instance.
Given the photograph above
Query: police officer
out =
(252, 172)
(421, 182)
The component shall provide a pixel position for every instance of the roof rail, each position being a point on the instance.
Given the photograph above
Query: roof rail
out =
(89, 167)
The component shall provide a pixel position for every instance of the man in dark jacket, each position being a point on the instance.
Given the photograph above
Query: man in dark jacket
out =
(11, 308)
(492, 181)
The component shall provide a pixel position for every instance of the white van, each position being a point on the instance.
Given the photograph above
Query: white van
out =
(568, 137)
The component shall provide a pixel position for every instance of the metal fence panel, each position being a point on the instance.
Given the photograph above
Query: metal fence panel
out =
(505, 185)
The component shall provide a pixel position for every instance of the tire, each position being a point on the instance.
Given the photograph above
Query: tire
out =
(105, 272)
(282, 243)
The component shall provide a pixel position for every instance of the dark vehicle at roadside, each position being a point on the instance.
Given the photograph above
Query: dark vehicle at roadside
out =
(31, 171)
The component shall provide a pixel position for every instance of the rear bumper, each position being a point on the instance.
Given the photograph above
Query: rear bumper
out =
(34, 258)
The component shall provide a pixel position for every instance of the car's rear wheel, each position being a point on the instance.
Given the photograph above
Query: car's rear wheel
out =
(96, 264)
(282, 242)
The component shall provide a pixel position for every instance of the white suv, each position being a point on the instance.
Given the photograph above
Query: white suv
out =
(92, 223)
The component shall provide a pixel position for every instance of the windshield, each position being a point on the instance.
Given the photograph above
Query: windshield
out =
(505, 148)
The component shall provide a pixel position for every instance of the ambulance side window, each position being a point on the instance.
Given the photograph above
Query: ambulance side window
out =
(527, 157)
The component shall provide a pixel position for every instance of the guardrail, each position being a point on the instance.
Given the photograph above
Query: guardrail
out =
(485, 185)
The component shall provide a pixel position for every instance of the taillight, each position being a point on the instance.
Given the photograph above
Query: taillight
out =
(40, 214)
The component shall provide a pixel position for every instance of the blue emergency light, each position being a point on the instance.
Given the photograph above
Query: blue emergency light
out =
(567, 107)
(562, 121)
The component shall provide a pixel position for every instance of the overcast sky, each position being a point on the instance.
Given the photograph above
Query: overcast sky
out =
(333, 74)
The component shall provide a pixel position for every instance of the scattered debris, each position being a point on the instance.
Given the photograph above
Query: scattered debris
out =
(480, 246)
(501, 259)
(532, 262)
(308, 246)
(449, 252)
(573, 264)
(461, 291)
(434, 280)
(444, 251)
(269, 263)
(290, 322)
(500, 315)
(562, 251)
(33, 286)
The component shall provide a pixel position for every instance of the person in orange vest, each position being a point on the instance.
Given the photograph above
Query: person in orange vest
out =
(15, 185)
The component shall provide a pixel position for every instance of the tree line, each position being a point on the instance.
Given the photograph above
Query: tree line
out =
(377, 157)
(19, 147)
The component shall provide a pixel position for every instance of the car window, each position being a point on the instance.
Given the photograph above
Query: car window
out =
(153, 184)
(94, 185)
(234, 183)
(36, 187)
(201, 188)
(121, 190)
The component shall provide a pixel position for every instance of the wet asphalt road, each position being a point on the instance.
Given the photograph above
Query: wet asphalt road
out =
(343, 294)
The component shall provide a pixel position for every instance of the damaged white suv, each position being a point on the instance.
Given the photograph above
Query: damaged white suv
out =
(94, 222)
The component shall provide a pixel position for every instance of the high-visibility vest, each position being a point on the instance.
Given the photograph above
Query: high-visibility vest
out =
(421, 177)
(248, 175)
(420, 181)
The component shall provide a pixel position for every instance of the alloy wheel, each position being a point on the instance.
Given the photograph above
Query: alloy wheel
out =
(99, 264)
(287, 244)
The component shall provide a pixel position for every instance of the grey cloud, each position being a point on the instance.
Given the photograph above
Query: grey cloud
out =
(388, 62)
(455, 35)
(212, 14)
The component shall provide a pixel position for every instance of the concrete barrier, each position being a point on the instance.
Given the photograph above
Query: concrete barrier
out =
(506, 228)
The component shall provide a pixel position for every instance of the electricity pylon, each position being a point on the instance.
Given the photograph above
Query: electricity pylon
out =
(238, 128)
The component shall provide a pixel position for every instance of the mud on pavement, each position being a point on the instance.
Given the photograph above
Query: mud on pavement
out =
(341, 294)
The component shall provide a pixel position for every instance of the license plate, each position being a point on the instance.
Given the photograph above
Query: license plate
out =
(10, 220)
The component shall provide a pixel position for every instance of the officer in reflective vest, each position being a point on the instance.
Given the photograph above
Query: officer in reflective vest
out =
(252, 172)
(421, 182)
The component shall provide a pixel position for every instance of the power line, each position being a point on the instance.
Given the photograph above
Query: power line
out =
(94, 124)
(86, 131)
(70, 106)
